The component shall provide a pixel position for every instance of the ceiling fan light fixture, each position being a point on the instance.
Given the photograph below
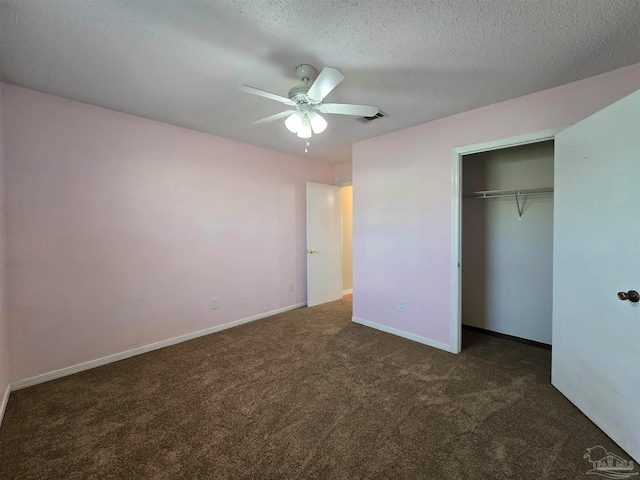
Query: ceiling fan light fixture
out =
(293, 122)
(318, 123)
(305, 128)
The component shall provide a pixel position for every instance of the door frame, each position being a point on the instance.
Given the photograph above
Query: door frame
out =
(456, 216)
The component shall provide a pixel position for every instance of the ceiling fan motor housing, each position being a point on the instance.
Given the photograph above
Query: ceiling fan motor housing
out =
(299, 94)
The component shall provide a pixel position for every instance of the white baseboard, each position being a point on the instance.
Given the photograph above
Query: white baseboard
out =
(63, 372)
(400, 333)
(3, 404)
(347, 292)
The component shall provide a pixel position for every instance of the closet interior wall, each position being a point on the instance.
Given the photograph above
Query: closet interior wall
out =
(506, 260)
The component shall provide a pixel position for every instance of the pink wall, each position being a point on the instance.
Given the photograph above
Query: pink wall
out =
(342, 173)
(122, 229)
(4, 317)
(402, 199)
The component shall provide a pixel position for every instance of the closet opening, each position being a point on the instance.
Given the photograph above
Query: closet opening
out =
(505, 255)
(507, 242)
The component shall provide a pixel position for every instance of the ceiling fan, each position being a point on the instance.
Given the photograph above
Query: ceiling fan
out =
(306, 101)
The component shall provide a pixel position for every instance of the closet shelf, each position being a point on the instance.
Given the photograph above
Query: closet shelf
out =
(520, 192)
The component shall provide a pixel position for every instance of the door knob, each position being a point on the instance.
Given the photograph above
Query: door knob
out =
(631, 295)
(311, 250)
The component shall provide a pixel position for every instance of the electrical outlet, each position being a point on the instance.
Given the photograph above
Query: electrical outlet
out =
(214, 303)
(401, 306)
(291, 288)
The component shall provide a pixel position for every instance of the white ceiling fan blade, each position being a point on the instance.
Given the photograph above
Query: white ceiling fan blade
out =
(275, 117)
(328, 79)
(262, 93)
(348, 109)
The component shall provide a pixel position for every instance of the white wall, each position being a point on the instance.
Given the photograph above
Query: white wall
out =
(122, 229)
(507, 262)
(5, 373)
(403, 195)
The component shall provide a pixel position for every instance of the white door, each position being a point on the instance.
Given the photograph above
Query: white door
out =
(324, 249)
(596, 250)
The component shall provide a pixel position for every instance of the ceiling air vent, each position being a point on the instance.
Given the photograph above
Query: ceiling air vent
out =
(378, 115)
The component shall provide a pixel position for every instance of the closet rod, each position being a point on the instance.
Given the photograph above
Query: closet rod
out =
(521, 192)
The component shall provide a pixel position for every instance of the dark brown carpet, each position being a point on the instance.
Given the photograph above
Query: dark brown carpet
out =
(304, 394)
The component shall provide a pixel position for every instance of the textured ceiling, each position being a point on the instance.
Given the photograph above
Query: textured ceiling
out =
(180, 61)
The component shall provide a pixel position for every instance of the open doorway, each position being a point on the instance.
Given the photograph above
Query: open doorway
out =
(347, 242)
(329, 243)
